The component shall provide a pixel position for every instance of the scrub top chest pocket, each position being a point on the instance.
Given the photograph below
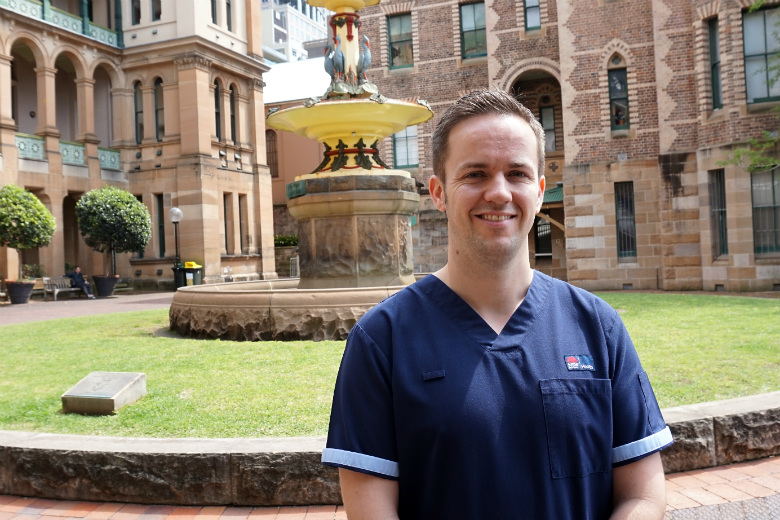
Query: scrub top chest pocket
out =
(578, 415)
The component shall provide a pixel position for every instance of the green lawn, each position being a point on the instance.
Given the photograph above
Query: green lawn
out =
(695, 348)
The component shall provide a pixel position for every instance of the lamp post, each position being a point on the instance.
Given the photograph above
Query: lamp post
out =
(175, 215)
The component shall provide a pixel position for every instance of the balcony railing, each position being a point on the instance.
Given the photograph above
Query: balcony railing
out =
(109, 158)
(72, 153)
(30, 147)
(62, 19)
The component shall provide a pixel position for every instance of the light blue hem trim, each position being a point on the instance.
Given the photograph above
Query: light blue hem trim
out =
(641, 447)
(350, 459)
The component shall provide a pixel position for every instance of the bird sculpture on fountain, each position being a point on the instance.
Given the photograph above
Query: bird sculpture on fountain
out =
(364, 62)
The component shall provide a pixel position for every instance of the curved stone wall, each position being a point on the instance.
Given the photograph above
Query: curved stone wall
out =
(270, 310)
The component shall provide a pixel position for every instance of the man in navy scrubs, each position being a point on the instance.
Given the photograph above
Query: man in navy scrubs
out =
(490, 390)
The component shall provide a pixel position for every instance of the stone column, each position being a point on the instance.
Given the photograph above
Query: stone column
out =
(263, 202)
(47, 109)
(6, 110)
(121, 101)
(85, 89)
(196, 108)
(254, 23)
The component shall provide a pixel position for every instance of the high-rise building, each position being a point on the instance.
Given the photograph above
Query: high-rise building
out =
(287, 25)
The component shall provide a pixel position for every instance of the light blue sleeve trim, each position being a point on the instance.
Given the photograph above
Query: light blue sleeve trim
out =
(350, 459)
(641, 447)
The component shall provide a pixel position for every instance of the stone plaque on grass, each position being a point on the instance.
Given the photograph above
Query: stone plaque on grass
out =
(103, 393)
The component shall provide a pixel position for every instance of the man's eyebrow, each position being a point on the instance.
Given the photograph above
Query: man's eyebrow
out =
(480, 164)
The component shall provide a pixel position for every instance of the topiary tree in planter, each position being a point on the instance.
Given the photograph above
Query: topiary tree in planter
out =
(25, 223)
(113, 220)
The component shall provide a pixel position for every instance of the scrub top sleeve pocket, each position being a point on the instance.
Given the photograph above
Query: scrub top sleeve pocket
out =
(578, 417)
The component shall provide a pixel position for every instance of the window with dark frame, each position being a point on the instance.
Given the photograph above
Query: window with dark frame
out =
(156, 10)
(159, 110)
(720, 241)
(547, 119)
(533, 16)
(625, 220)
(138, 101)
(405, 150)
(135, 12)
(271, 154)
(232, 113)
(140, 253)
(473, 39)
(715, 78)
(225, 202)
(618, 99)
(399, 35)
(762, 51)
(765, 188)
(229, 15)
(158, 198)
(214, 11)
(242, 224)
(543, 237)
(218, 110)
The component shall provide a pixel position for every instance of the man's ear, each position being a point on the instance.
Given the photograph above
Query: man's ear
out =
(541, 194)
(436, 189)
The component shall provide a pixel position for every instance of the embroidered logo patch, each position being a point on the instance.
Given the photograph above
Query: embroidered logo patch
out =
(579, 362)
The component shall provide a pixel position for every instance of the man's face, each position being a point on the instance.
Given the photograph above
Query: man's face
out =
(493, 190)
(78, 270)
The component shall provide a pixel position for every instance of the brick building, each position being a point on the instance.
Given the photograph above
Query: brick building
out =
(641, 101)
(160, 98)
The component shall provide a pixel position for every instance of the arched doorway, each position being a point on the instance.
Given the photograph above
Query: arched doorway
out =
(541, 93)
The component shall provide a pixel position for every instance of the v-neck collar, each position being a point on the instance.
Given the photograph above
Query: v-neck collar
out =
(473, 325)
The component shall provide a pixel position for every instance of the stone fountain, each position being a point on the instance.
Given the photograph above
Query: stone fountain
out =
(354, 213)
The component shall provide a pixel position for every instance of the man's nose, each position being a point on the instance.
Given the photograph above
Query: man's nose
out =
(498, 190)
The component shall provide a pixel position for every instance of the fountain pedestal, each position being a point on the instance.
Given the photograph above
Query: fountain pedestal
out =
(355, 231)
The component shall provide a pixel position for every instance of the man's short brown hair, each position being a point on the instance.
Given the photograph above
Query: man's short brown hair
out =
(477, 103)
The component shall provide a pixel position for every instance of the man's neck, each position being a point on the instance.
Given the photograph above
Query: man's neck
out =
(494, 292)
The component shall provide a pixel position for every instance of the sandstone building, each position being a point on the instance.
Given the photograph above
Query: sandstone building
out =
(160, 98)
(642, 100)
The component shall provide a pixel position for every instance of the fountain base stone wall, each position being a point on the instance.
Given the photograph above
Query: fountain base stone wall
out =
(270, 310)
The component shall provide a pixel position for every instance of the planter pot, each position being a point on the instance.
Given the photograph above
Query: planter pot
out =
(19, 292)
(104, 285)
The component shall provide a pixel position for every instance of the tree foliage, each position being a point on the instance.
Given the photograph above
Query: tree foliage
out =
(25, 223)
(113, 220)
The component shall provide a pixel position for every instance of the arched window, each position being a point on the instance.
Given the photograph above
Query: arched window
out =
(617, 77)
(217, 110)
(138, 98)
(271, 155)
(232, 113)
(159, 110)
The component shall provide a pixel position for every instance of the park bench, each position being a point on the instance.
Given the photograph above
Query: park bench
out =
(55, 285)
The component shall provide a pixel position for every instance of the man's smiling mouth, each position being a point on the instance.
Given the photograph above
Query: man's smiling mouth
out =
(496, 218)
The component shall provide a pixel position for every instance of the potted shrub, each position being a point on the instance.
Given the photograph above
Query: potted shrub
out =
(112, 220)
(25, 223)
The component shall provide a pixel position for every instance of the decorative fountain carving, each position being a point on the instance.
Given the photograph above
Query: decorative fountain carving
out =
(354, 212)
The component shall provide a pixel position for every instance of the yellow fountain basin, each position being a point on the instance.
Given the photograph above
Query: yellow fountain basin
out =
(343, 6)
(349, 120)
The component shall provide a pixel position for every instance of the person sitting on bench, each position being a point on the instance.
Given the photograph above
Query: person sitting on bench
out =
(77, 280)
